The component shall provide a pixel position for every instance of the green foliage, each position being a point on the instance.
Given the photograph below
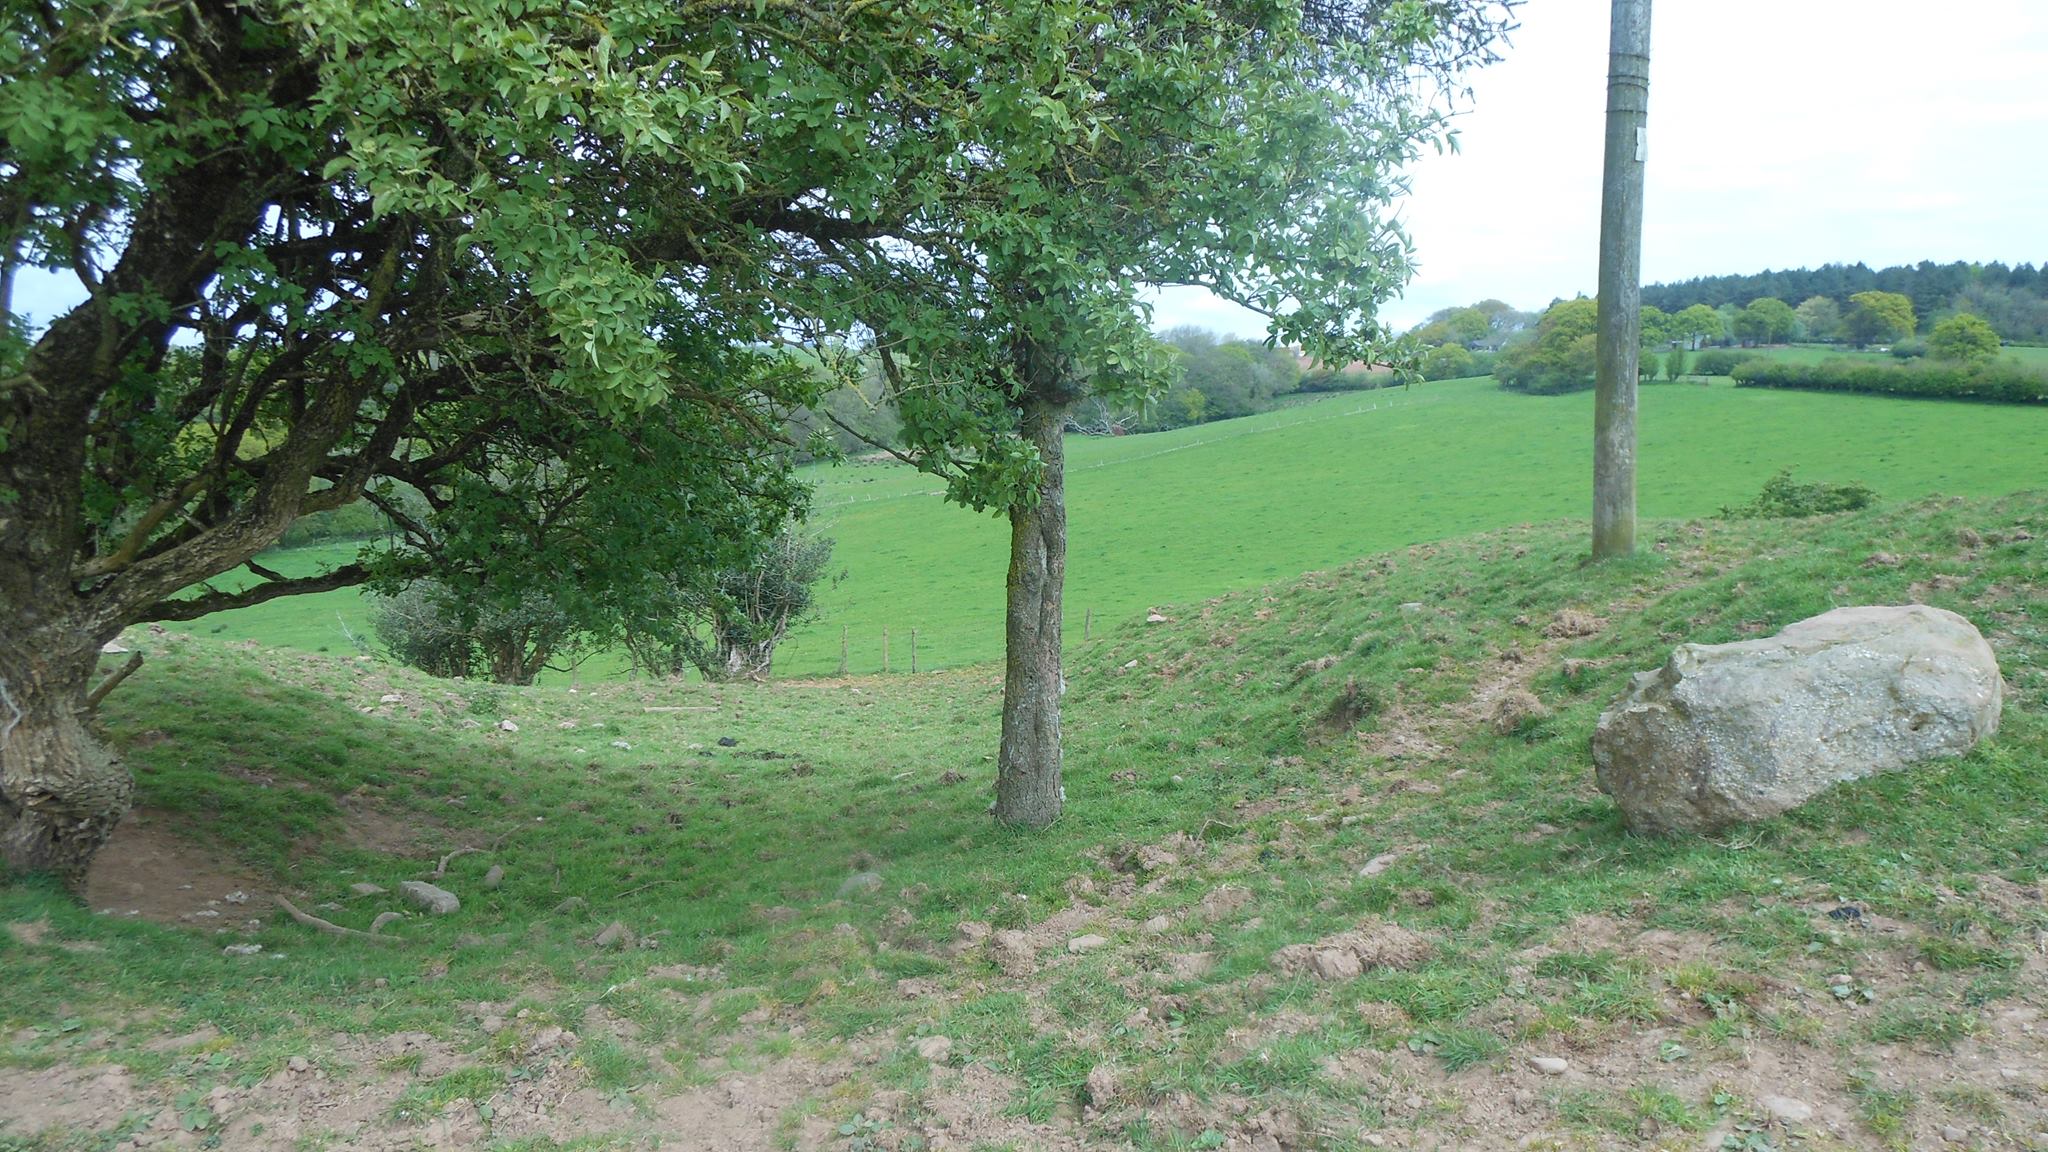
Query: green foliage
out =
(1878, 318)
(1719, 362)
(2006, 381)
(1908, 350)
(1820, 318)
(1697, 324)
(1560, 356)
(727, 622)
(1963, 337)
(1213, 380)
(1783, 497)
(1674, 364)
(1448, 362)
(1766, 320)
(431, 627)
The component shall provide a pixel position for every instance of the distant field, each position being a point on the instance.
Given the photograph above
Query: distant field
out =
(1180, 516)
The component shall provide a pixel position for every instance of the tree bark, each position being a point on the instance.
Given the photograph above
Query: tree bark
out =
(1028, 788)
(61, 789)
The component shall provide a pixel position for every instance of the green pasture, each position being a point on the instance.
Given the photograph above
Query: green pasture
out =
(1180, 516)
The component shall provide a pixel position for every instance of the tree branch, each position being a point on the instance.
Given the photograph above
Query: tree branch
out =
(192, 608)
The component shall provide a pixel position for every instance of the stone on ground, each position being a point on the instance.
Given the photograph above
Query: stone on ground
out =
(439, 901)
(1728, 733)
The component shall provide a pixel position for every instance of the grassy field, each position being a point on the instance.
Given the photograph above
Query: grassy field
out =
(1178, 516)
(809, 898)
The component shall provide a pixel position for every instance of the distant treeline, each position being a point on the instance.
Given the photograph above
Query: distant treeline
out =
(2012, 298)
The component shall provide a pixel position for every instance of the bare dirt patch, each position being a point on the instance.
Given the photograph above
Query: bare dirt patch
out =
(93, 1098)
(150, 871)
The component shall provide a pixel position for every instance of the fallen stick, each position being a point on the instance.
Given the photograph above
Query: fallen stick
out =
(331, 928)
(441, 869)
(681, 708)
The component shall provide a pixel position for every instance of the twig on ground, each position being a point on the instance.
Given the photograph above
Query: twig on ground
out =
(331, 928)
(644, 887)
(441, 869)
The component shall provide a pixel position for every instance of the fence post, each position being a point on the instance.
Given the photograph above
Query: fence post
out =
(1088, 624)
(885, 651)
(842, 649)
(913, 651)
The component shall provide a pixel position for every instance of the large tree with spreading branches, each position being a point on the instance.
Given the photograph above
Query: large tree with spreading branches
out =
(343, 249)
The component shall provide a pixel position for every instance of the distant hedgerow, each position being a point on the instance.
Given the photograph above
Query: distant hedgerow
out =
(2004, 381)
(1784, 497)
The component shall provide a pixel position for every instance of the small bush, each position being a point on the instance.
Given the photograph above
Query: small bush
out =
(1908, 350)
(1784, 497)
(2003, 382)
(1719, 362)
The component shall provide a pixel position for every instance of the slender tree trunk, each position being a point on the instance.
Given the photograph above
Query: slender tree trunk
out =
(61, 789)
(1028, 788)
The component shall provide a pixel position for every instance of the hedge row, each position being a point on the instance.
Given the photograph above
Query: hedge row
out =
(2004, 382)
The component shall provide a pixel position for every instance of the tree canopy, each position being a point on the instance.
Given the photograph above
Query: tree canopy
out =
(453, 253)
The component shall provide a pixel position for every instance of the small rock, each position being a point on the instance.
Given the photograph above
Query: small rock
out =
(727, 742)
(615, 933)
(241, 950)
(438, 901)
(507, 726)
(858, 883)
(491, 1025)
(1130, 664)
(933, 1048)
(298, 1065)
(494, 878)
(1088, 943)
(570, 904)
(1154, 618)
(1787, 1109)
(1549, 1065)
(1156, 926)
(565, 725)
(1953, 1134)
(365, 888)
(622, 745)
(236, 897)
(1379, 864)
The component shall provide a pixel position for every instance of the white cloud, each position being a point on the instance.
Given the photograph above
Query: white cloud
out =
(1782, 133)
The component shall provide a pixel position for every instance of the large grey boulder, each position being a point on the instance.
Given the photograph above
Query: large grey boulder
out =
(1726, 733)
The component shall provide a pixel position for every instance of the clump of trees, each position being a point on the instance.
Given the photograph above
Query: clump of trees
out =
(1560, 356)
(2012, 299)
(531, 269)
(1210, 378)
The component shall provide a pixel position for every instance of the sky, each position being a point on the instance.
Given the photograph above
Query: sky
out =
(1782, 134)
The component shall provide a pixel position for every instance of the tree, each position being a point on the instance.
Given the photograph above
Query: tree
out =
(1696, 324)
(1767, 320)
(1560, 356)
(1656, 326)
(1963, 337)
(1878, 318)
(727, 622)
(392, 237)
(1820, 318)
(1446, 362)
(1251, 150)
(1674, 364)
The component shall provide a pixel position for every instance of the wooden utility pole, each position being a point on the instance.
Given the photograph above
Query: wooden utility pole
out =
(1621, 265)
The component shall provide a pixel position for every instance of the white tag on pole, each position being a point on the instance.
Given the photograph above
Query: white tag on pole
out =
(1642, 145)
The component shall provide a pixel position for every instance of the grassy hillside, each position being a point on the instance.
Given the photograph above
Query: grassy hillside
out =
(1183, 515)
(810, 881)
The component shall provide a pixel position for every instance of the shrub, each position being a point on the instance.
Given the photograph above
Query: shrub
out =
(1908, 350)
(1963, 337)
(426, 625)
(1783, 497)
(1447, 362)
(357, 521)
(2004, 381)
(1719, 362)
